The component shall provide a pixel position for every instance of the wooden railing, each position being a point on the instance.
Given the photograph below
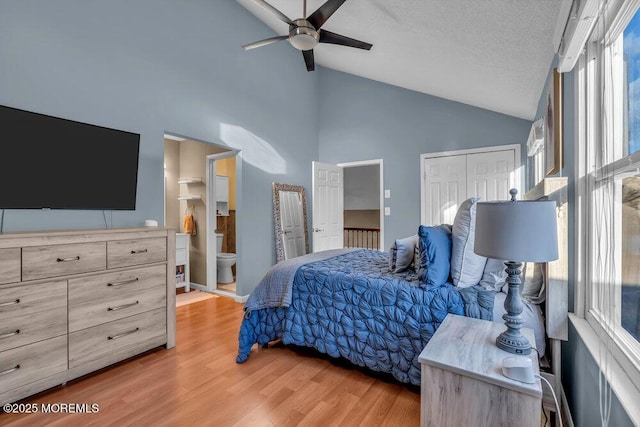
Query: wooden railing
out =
(361, 237)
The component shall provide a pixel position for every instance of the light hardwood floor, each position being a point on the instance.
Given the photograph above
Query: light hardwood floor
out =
(199, 383)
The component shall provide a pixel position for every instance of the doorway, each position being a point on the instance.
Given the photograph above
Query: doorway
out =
(221, 221)
(349, 194)
(191, 202)
(363, 204)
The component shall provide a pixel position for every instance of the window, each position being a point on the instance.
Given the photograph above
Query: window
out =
(609, 181)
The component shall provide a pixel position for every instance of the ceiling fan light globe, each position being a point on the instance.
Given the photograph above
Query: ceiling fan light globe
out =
(303, 41)
(303, 36)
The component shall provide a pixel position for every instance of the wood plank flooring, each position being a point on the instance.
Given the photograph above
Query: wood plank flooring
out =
(199, 383)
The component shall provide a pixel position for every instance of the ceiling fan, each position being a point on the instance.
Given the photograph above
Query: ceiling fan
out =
(305, 33)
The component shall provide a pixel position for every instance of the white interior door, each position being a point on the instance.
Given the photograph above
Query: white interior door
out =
(328, 205)
(292, 223)
(445, 188)
(490, 176)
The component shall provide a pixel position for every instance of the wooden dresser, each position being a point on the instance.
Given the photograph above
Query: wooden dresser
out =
(72, 302)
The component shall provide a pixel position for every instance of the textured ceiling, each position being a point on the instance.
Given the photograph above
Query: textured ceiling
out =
(493, 54)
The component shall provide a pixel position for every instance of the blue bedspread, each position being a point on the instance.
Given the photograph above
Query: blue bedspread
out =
(351, 306)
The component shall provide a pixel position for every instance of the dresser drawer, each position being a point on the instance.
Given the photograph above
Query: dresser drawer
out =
(29, 363)
(25, 300)
(124, 253)
(109, 341)
(123, 304)
(40, 262)
(22, 330)
(91, 289)
(9, 265)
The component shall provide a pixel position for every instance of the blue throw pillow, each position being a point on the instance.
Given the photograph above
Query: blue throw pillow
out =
(435, 254)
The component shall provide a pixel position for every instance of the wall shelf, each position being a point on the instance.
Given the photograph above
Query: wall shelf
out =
(191, 180)
(190, 197)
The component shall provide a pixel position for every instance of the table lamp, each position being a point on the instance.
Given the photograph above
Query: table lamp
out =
(517, 232)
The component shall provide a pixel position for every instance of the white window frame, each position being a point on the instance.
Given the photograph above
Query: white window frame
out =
(589, 112)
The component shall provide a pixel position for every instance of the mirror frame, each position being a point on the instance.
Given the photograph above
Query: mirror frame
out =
(277, 219)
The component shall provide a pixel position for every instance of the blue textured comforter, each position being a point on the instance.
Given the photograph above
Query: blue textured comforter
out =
(351, 306)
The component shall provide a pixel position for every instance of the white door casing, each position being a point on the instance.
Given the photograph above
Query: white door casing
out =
(449, 178)
(328, 205)
(292, 224)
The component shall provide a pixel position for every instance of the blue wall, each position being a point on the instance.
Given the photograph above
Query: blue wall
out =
(361, 119)
(150, 66)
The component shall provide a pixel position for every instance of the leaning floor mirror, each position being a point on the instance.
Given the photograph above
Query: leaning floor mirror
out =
(290, 221)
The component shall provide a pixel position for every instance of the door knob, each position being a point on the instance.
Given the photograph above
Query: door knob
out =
(317, 230)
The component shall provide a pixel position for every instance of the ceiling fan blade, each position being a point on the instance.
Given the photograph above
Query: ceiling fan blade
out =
(266, 6)
(333, 38)
(308, 59)
(264, 42)
(324, 12)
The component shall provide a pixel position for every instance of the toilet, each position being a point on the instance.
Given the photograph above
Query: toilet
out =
(224, 261)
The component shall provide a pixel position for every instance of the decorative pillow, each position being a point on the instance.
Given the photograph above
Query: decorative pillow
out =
(494, 275)
(533, 282)
(416, 254)
(401, 254)
(435, 254)
(466, 266)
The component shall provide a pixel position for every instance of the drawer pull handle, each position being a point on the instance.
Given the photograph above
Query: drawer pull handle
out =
(73, 258)
(10, 334)
(139, 251)
(4, 304)
(8, 371)
(120, 307)
(124, 282)
(124, 334)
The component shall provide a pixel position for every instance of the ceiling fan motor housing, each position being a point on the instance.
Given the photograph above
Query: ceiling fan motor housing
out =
(302, 35)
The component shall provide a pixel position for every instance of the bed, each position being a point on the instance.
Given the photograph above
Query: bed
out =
(348, 304)
(360, 306)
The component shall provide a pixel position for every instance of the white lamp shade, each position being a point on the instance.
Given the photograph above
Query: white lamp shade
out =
(520, 231)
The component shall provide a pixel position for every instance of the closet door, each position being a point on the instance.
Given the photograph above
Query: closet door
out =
(445, 188)
(449, 178)
(491, 175)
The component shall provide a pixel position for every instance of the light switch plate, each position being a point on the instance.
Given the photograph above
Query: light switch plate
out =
(387, 194)
(387, 211)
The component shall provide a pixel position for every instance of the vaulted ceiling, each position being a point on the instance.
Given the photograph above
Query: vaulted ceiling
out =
(493, 54)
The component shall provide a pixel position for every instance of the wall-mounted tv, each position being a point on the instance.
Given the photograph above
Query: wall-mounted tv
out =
(52, 163)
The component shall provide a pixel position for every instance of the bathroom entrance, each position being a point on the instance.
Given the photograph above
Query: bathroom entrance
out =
(200, 204)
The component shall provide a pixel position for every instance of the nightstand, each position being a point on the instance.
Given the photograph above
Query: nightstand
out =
(462, 382)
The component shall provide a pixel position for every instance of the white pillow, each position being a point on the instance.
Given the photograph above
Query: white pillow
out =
(533, 282)
(494, 275)
(466, 266)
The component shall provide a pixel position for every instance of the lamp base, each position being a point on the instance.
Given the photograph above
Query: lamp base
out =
(512, 340)
(516, 345)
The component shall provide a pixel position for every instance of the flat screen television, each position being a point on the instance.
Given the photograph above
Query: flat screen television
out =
(52, 163)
